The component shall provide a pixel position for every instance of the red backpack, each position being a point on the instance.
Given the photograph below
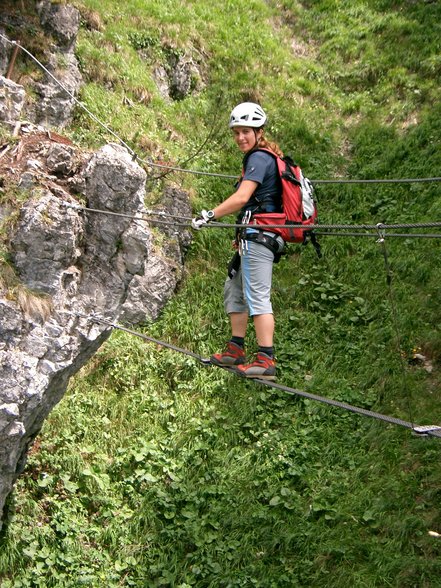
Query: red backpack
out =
(298, 204)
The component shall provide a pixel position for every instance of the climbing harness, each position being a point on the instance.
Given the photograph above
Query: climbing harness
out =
(267, 241)
(262, 238)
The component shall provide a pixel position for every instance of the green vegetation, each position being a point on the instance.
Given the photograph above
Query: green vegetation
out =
(155, 471)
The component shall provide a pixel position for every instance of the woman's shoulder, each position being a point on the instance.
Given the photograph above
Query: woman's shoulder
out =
(263, 154)
(259, 156)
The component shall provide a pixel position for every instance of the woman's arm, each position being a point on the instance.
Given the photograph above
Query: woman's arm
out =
(237, 200)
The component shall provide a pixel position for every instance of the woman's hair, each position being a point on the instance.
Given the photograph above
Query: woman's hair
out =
(265, 144)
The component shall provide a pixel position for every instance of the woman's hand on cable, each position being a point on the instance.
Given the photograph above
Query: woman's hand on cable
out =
(204, 217)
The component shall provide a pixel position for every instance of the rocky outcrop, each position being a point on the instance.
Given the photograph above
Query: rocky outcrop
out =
(178, 78)
(179, 74)
(69, 265)
(12, 97)
(53, 105)
(5, 53)
(54, 101)
(62, 21)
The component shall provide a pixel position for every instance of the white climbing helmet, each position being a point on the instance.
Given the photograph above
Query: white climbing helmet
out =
(247, 114)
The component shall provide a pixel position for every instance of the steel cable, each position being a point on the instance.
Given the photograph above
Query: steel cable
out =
(217, 225)
(430, 430)
(367, 227)
(151, 163)
(404, 235)
(435, 431)
(140, 217)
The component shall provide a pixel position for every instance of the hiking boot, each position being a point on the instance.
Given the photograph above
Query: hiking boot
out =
(233, 355)
(263, 367)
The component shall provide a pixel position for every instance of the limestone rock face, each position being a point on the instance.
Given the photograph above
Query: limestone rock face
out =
(54, 106)
(5, 53)
(72, 263)
(12, 97)
(62, 21)
(68, 264)
(48, 241)
(57, 89)
(179, 75)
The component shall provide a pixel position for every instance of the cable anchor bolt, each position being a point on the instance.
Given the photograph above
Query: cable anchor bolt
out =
(72, 205)
(426, 429)
(381, 232)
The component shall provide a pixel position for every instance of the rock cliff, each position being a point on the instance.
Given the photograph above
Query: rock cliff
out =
(60, 263)
(64, 262)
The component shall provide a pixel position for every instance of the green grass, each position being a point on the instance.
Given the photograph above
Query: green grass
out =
(156, 471)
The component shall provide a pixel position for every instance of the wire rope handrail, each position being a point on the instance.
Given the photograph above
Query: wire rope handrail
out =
(426, 430)
(429, 430)
(368, 227)
(178, 169)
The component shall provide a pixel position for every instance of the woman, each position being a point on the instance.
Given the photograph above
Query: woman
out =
(247, 292)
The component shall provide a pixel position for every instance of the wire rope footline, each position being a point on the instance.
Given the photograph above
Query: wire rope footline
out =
(96, 319)
(171, 168)
(429, 430)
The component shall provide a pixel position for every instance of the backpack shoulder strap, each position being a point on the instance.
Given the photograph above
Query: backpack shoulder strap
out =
(286, 165)
(247, 155)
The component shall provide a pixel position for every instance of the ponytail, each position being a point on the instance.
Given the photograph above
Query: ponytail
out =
(265, 144)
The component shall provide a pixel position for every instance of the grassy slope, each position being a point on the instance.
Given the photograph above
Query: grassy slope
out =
(156, 472)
